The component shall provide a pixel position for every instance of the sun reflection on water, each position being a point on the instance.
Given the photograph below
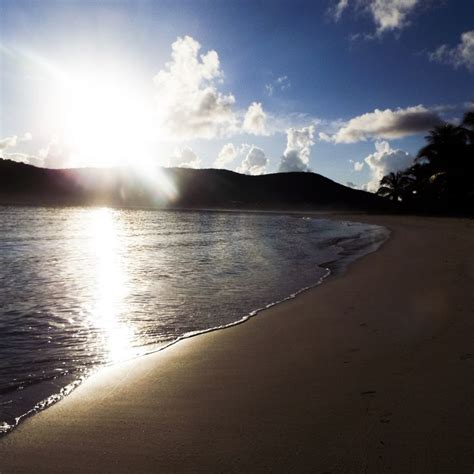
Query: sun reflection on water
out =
(110, 275)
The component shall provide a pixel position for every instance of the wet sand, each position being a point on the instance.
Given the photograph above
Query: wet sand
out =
(371, 372)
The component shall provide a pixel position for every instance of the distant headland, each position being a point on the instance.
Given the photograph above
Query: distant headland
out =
(180, 188)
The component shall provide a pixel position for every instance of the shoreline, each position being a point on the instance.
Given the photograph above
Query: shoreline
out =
(346, 255)
(281, 394)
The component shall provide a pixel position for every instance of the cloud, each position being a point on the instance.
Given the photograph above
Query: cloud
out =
(8, 142)
(269, 89)
(253, 159)
(385, 124)
(352, 185)
(184, 158)
(358, 165)
(12, 142)
(385, 160)
(24, 158)
(255, 120)
(254, 163)
(391, 14)
(189, 104)
(281, 122)
(226, 155)
(461, 55)
(388, 15)
(53, 155)
(298, 148)
(337, 10)
(281, 83)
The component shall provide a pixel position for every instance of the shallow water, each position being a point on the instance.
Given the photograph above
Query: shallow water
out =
(85, 287)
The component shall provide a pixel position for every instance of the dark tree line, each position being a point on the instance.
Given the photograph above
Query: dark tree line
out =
(441, 178)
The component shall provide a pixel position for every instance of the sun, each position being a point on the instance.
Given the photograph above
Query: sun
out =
(105, 121)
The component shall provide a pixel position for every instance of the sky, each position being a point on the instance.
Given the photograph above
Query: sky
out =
(344, 88)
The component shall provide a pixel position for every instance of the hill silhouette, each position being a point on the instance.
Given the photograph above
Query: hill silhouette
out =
(179, 188)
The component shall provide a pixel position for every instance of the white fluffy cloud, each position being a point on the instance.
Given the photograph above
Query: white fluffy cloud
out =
(255, 120)
(298, 148)
(388, 15)
(461, 55)
(51, 156)
(189, 104)
(254, 163)
(13, 141)
(385, 124)
(184, 158)
(391, 14)
(358, 165)
(226, 155)
(385, 160)
(252, 158)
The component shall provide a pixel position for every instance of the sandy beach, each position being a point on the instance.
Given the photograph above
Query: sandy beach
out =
(371, 372)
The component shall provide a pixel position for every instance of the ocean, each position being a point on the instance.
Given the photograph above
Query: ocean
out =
(81, 288)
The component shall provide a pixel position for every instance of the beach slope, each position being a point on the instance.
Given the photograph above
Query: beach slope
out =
(371, 372)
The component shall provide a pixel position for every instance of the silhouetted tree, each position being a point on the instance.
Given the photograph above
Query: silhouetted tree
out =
(396, 186)
(468, 124)
(446, 148)
(468, 120)
(442, 175)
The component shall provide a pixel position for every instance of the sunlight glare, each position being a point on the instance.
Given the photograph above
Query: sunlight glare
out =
(111, 287)
(105, 120)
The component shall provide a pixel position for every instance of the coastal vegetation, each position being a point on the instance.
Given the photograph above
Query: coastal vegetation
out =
(441, 178)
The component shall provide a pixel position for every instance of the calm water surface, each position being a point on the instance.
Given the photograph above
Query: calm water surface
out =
(85, 287)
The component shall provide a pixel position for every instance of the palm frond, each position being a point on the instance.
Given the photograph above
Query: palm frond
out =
(384, 191)
(468, 119)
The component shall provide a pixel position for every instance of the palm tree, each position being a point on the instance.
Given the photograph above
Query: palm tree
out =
(447, 162)
(396, 186)
(468, 120)
(442, 175)
(468, 124)
(446, 148)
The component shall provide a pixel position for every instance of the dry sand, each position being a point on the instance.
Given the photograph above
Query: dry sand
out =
(371, 372)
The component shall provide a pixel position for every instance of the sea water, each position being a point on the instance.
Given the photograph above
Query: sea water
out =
(81, 288)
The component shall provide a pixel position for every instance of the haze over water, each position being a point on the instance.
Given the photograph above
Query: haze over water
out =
(84, 287)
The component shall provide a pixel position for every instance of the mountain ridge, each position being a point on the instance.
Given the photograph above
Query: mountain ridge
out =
(179, 188)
